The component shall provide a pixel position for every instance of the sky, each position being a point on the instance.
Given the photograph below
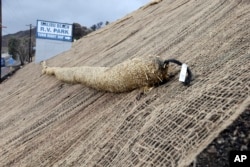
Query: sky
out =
(17, 14)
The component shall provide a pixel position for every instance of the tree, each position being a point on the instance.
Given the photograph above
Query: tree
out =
(13, 45)
(79, 31)
(93, 27)
(18, 49)
(23, 51)
(99, 25)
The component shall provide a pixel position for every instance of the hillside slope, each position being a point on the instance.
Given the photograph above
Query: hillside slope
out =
(45, 122)
(22, 35)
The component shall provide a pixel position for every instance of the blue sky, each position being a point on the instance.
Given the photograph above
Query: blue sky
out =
(16, 14)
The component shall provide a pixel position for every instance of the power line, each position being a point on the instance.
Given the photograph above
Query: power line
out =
(5, 32)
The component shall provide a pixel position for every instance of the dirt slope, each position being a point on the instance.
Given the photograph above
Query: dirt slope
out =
(45, 122)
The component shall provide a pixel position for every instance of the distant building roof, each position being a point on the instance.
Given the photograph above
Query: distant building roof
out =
(6, 55)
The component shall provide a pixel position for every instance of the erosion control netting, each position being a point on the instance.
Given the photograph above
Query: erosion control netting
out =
(171, 131)
(45, 122)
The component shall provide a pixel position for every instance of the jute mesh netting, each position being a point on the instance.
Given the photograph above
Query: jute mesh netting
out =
(45, 122)
(170, 129)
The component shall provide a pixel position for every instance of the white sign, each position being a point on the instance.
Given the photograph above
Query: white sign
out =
(54, 30)
(183, 73)
(52, 38)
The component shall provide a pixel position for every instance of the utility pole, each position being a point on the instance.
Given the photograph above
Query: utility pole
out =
(1, 26)
(1, 40)
(30, 49)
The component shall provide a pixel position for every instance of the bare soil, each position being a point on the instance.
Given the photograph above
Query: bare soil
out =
(236, 137)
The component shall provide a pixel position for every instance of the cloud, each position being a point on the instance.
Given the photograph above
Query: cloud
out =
(19, 13)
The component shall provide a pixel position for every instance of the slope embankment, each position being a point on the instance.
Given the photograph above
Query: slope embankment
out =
(45, 122)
